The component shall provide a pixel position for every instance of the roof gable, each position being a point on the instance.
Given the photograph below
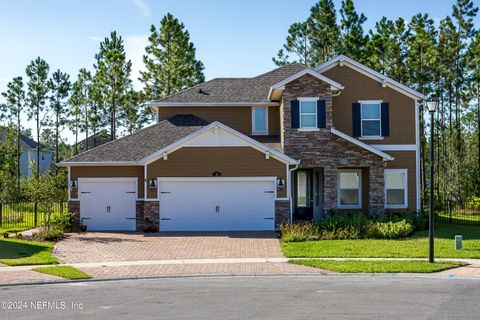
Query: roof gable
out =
(342, 60)
(363, 145)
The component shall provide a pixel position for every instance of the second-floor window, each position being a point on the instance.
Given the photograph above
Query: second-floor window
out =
(308, 113)
(260, 120)
(371, 118)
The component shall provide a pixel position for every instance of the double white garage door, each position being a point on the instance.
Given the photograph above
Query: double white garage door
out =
(186, 204)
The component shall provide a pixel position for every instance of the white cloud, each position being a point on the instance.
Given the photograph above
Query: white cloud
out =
(135, 49)
(142, 6)
(96, 39)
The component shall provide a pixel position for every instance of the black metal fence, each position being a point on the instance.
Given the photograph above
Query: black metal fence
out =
(25, 215)
(460, 213)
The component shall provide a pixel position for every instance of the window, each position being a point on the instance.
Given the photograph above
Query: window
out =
(308, 113)
(303, 189)
(396, 188)
(349, 194)
(260, 120)
(371, 118)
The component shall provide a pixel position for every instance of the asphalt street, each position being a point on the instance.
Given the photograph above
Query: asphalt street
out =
(267, 297)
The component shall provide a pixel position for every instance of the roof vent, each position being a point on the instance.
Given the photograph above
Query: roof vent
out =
(203, 92)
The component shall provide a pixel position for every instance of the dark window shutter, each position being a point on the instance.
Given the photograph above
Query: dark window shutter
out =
(356, 125)
(295, 113)
(321, 114)
(385, 119)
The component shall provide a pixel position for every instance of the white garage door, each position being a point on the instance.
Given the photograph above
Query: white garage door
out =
(108, 204)
(219, 205)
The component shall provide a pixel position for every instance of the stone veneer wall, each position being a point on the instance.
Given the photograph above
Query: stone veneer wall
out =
(282, 212)
(74, 207)
(323, 149)
(148, 216)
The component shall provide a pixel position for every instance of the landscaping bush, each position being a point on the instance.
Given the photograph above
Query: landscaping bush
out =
(297, 232)
(344, 226)
(13, 219)
(49, 235)
(63, 221)
(389, 229)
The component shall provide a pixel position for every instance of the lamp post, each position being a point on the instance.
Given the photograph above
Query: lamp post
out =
(432, 104)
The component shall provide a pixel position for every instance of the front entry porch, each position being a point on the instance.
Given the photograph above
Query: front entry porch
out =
(317, 190)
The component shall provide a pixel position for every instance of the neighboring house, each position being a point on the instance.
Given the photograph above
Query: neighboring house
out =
(252, 153)
(28, 158)
(100, 138)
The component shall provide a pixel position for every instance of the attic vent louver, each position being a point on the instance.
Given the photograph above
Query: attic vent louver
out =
(203, 92)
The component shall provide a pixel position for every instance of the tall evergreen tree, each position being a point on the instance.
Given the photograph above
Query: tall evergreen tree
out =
(299, 44)
(113, 75)
(37, 72)
(60, 89)
(171, 65)
(324, 30)
(352, 40)
(420, 63)
(474, 66)
(15, 96)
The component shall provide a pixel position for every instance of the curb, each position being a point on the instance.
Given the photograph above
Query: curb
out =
(247, 275)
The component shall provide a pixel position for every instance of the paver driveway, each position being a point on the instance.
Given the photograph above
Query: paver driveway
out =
(100, 246)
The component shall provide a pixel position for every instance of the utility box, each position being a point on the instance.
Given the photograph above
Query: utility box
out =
(458, 242)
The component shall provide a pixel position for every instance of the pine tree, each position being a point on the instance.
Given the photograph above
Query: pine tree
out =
(473, 59)
(387, 48)
(324, 31)
(37, 72)
(15, 96)
(420, 63)
(113, 75)
(297, 43)
(60, 86)
(171, 65)
(352, 40)
(96, 114)
(75, 113)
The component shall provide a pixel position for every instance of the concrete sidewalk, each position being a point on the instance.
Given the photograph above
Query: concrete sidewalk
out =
(192, 267)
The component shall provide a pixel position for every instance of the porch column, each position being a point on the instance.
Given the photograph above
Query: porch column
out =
(376, 198)
(330, 188)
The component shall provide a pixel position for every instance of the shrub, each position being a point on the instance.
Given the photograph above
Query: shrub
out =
(474, 203)
(13, 219)
(296, 232)
(49, 235)
(6, 234)
(389, 229)
(63, 221)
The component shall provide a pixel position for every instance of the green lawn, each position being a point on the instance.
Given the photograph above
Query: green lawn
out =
(414, 247)
(66, 272)
(382, 266)
(14, 252)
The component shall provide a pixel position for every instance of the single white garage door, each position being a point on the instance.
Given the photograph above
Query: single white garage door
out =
(218, 205)
(108, 204)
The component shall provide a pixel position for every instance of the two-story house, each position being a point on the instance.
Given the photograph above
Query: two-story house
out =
(252, 153)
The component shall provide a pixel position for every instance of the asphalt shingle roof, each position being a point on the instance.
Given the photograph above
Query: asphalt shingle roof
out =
(254, 89)
(25, 142)
(140, 144)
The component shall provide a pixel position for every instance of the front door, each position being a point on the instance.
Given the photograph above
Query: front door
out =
(303, 195)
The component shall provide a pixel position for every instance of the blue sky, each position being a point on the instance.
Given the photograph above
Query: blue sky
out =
(233, 38)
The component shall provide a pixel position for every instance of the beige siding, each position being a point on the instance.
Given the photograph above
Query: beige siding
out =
(361, 87)
(238, 118)
(202, 162)
(108, 172)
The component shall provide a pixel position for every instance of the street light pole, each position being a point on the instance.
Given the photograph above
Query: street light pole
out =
(432, 104)
(430, 215)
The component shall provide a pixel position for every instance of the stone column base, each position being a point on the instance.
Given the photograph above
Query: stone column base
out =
(282, 212)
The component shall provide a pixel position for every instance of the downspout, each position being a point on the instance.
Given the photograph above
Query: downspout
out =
(289, 187)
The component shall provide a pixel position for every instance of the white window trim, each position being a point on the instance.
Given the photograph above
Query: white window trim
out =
(405, 188)
(253, 122)
(379, 102)
(307, 99)
(343, 206)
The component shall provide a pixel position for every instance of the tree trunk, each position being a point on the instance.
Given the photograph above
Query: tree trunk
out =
(38, 143)
(18, 149)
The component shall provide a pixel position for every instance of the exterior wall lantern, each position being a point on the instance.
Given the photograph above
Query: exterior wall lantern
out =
(73, 184)
(152, 184)
(281, 183)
